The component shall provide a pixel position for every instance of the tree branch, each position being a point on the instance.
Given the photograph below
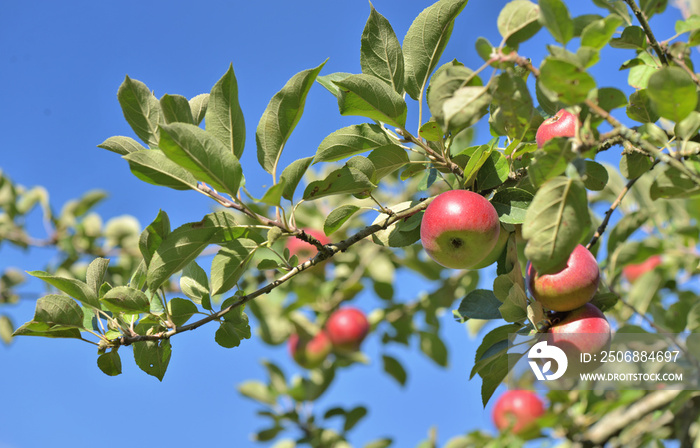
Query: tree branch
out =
(329, 251)
(647, 30)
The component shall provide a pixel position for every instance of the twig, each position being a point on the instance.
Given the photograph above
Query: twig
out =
(329, 251)
(647, 30)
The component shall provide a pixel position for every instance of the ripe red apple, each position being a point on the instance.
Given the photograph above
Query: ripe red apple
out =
(347, 328)
(563, 124)
(583, 330)
(310, 352)
(459, 229)
(633, 271)
(572, 287)
(517, 410)
(303, 250)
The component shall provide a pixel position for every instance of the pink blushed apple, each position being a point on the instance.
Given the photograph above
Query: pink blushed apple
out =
(517, 410)
(310, 352)
(570, 288)
(633, 271)
(563, 124)
(347, 328)
(459, 229)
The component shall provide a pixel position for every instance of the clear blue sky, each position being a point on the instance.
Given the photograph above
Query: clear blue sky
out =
(60, 66)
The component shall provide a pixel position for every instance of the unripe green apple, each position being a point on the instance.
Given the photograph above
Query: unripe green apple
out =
(517, 410)
(633, 271)
(310, 352)
(459, 229)
(303, 250)
(347, 328)
(563, 124)
(570, 288)
(496, 252)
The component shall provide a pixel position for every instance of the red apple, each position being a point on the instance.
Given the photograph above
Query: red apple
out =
(347, 328)
(303, 250)
(583, 330)
(310, 352)
(633, 271)
(570, 288)
(517, 410)
(459, 229)
(563, 124)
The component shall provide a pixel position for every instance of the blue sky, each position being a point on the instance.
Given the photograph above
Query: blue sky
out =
(60, 66)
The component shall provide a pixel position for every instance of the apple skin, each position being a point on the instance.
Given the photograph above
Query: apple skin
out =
(496, 252)
(570, 288)
(459, 229)
(303, 250)
(347, 328)
(633, 271)
(310, 352)
(517, 410)
(563, 124)
(583, 330)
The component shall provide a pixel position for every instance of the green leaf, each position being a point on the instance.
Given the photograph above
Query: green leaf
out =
(492, 377)
(596, 177)
(610, 98)
(40, 329)
(673, 93)
(6, 329)
(121, 145)
(466, 107)
(688, 128)
(180, 247)
(154, 167)
(692, 23)
(671, 183)
(194, 282)
(514, 308)
(181, 310)
(511, 204)
(153, 357)
(110, 363)
(123, 299)
(380, 51)
(367, 96)
(346, 180)
(224, 117)
(431, 131)
(642, 67)
(95, 275)
(176, 109)
(352, 140)
(640, 107)
(625, 227)
(203, 155)
(493, 172)
(292, 175)
(512, 97)
(281, 117)
(58, 312)
(425, 41)
(258, 391)
(632, 38)
(394, 368)
(549, 162)
(571, 83)
(230, 263)
(386, 160)
(198, 107)
(338, 217)
(401, 233)
(141, 109)
(433, 347)
(328, 81)
(74, 288)
(273, 195)
(445, 82)
(228, 335)
(353, 416)
(480, 304)
(153, 235)
(598, 33)
(518, 21)
(556, 18)
(555, 223)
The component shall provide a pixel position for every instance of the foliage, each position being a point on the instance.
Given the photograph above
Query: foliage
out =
(367, 186)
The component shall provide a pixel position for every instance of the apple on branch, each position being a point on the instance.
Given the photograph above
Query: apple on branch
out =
(517, 411)
(633, 271)
(571, 287)
(459, 229)
(347, 328)
(583, 330)
(310, 351)
(563, 124)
